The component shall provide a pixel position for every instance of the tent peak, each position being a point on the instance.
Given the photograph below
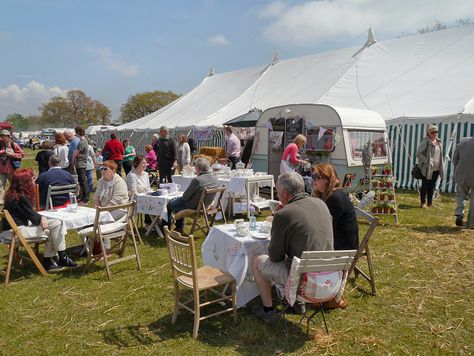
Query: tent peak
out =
(211, 71)
(370, 37)
(276, 57)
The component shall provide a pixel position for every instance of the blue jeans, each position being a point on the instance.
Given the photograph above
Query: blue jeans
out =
(89, 179)
(176, 205)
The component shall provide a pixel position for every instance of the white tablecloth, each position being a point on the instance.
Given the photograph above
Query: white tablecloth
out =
(154, 205)
(225, 250)
(83, 216)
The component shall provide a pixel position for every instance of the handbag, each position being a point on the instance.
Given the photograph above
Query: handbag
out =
(16, 163)
(416, 172)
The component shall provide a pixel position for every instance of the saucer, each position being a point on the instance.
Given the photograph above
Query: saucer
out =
(260, 235)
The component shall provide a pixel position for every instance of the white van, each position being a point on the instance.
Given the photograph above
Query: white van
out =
(335, 135)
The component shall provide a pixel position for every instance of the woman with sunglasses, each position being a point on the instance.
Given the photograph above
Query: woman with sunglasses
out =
(430, 160)
(19, 201)
(111, 189)
(326, 186)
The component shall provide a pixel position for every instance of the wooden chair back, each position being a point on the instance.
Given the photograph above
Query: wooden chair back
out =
(59, 190)
(210, 204)
(182, 252)
(364, 251)
(326, 261)
(17, 239)
(121, 234)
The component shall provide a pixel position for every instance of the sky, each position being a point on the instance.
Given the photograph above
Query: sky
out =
(112, 49)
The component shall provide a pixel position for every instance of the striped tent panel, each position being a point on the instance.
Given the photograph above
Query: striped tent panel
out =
(405, 138)
(140, 138)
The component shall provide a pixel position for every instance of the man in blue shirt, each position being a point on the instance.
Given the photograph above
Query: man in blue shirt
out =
(73, 143)
(54, 176)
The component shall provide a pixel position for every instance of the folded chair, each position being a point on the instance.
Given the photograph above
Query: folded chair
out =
(15, 239)
(206, 279)
(59, 190)
(205, 211)
(317, 277)
(363, 251)
(114, 236)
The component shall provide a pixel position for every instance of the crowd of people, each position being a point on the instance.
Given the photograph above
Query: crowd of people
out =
(323, 220)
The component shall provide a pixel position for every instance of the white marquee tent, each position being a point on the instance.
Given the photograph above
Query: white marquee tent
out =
(411, 81)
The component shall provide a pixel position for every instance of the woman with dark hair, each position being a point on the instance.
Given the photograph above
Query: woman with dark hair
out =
(61, 149)
(326, 186)
(9, 152)
(128, 155)
(19, 200)
(138, 180)
(111, 189)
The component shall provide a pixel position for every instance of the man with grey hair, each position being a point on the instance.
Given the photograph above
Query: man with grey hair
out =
(190, 199)
(303, 224)
(73, 142)
(54, 176)
(166, 155)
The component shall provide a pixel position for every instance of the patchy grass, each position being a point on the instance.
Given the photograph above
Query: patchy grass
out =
(424, 273)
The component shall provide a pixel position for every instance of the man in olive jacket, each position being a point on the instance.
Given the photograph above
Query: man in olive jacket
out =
(303, 224)
(463, 159)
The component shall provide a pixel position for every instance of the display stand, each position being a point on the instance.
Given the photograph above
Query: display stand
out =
(384, 203)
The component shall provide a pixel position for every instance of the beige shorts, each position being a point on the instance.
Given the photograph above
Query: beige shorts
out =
(276, 272)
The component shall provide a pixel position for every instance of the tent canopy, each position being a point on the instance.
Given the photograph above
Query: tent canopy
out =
(416, 76)
(246, 120)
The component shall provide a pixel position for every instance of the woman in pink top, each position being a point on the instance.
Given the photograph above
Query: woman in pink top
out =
(150, 157)
(290, 160)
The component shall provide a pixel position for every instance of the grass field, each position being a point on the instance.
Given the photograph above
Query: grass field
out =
(424, 273)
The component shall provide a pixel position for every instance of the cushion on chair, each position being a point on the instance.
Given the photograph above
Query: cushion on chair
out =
(104, 229)
(6, 237)
(207, 277)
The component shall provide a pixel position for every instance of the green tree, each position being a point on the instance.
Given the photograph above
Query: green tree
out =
(18, 121)
(75, 109)
(142, 104)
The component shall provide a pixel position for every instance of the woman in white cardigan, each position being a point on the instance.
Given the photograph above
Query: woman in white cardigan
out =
(111, 189)
(184, 152)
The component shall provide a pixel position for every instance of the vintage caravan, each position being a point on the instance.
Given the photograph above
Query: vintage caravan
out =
(336, 135)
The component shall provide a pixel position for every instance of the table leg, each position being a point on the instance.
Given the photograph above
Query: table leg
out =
(154, 225)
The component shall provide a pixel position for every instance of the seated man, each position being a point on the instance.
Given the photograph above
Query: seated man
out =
(190, 199)
(54, 176)
(303, 224)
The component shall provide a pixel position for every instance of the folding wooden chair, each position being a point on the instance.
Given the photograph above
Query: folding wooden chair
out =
(59, 190)
(322, 261)
(205, 210)
(15, 239)
(363, 250)
(187, 275)
(117, 231)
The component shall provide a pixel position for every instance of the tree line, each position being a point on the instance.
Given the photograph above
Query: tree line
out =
(78, 109)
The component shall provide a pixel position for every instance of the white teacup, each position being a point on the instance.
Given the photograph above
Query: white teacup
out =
(237, 222)
(265, 227)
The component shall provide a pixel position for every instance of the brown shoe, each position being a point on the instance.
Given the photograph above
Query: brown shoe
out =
(430, 205)
(332, 304)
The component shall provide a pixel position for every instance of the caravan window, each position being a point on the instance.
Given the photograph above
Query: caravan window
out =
(320, 139)
(359, 139)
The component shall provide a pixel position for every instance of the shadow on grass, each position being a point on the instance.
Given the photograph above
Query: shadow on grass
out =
(439, 229)
(407, 207)
(246, 336)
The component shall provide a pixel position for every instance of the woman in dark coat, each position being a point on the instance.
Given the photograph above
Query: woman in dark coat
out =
(326, 186)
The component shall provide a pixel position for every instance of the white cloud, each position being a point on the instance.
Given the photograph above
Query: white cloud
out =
(113, 62)
(219, 40)
(311, 22)
(26, 100)
(272, 9)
